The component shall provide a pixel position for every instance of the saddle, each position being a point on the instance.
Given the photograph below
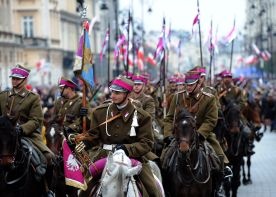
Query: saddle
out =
(38, 161)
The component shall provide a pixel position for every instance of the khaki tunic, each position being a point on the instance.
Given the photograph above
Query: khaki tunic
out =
(203, 107)
(67, 113)
(233, 93)
(25, 108)
(118, 131)
(147, 102)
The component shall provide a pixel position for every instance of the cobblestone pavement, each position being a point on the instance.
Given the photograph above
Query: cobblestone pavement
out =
(263, 169)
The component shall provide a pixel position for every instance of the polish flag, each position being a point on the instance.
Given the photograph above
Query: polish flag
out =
(265, 55)
(256, 49)
(151, 60)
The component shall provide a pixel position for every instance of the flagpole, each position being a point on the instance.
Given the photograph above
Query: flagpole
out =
(199, 32)
(211, 52)
(108, 55)
(127, 56)
(232, 49)
(163, 65)
(83, 16)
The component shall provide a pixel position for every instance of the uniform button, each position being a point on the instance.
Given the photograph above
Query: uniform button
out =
(117, 126)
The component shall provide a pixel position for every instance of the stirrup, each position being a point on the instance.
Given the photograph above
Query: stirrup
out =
(228, 172)
(50, 194)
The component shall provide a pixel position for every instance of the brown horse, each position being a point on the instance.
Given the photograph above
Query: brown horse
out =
(54, 138)
(186, 168)
(252, 112)
(17, 174)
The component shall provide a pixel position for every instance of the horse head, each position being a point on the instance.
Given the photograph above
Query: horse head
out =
(185, 130)
(232, 115)
(8, 141)
(117, 177)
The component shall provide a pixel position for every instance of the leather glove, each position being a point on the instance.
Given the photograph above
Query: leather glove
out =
(83, 111)
(19, 130)
(122, 147)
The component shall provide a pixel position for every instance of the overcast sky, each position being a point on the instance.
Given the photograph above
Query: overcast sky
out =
(180, 13)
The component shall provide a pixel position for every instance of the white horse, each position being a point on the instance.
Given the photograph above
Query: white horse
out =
(117, 178)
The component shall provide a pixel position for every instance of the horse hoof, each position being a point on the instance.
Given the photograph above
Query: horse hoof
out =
(247, 181)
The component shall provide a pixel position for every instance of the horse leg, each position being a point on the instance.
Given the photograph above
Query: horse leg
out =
(236, 176)
(244, 179)
(249, 181)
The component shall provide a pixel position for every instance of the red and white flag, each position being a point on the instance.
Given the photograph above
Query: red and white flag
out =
(265, 55)
(195, 22)
(140, 58)
(252, 59)
(256, 49)
(231, 35)
(150, 59)
(105, 44)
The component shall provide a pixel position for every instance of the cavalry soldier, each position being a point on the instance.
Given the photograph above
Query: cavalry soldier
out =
(120, 125)
(202, 106)
(138, 94)
(24, 107)
(229, 92)
(68, 110)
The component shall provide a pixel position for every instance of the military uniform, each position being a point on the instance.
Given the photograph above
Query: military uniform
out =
(233, 93)
(25, 107)
(204, 108)
(118, 132)
(147, 103)
(66, 112)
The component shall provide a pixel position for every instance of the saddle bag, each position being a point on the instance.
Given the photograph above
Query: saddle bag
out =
(212, 156)
(38, 161)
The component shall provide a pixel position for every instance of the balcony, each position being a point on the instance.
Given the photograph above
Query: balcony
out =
(35, 42)
(10, 38)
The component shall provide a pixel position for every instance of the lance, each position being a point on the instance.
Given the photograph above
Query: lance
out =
(163, 68)
(199, 32)
(108, 54)
(211, 49)
(232, 49)
(127, 56)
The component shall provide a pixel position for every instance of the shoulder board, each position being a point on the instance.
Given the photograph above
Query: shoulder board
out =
(207, 94)
(210, 87)
(32, 92)
(182, 91)
(105, 105)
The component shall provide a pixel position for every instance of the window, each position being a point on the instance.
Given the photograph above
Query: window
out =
(27, 26)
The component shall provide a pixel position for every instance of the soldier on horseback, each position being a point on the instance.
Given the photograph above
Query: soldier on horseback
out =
(68, 110)
(203, 106)
(121, 125)
(23, 106)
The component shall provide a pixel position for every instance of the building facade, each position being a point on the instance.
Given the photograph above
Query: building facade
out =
(40, 34)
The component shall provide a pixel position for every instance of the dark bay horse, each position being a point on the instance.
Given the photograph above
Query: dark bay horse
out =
(54, 139)
(186, 167)
(237, 135)
(17, 176)
(252, 112)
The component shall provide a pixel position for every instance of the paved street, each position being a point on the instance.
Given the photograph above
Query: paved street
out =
(263, 169)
